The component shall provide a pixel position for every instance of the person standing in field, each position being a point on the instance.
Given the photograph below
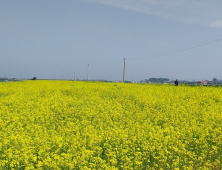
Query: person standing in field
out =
(176, 82)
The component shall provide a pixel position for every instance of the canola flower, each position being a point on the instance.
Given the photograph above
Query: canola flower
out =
(92, 125)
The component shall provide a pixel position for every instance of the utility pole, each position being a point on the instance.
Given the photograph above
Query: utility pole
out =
(88, 73)
(62, 74)
(74, 73)
(124, 70)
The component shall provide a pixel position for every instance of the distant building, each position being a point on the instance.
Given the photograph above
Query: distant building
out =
(203, 82)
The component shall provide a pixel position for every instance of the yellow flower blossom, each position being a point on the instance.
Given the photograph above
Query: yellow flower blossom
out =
(94, 125)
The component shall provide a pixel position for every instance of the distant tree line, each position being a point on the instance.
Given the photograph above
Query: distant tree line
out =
(214, 81)
(156, 80)
(34, 78)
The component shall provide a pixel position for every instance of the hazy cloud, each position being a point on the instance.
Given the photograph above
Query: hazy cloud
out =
(190, 11)
(216, 24)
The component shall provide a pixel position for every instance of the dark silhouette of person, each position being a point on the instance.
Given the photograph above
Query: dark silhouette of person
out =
(176, 82)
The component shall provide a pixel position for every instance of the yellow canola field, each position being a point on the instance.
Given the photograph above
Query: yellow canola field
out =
(108, 126)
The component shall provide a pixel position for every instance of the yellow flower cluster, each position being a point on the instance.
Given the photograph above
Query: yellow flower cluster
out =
(92, 125)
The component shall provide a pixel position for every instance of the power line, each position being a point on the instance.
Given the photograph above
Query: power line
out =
(181, 49)
(108, 63)
(178, 50)
(99, 64)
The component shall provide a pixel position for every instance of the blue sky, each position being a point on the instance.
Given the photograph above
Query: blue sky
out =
(54, 39)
